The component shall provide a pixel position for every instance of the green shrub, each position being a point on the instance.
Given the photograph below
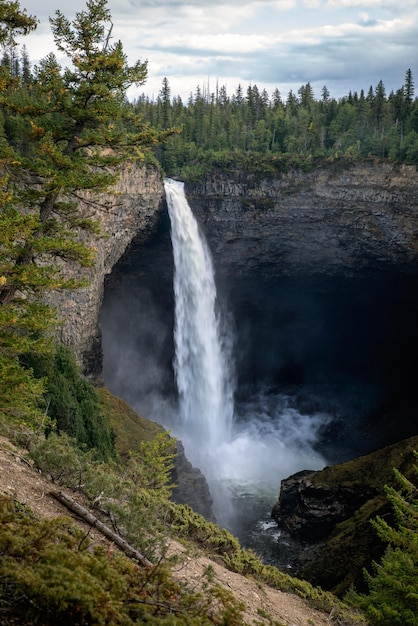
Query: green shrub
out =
(73, 403)
(51, 574)
(393, 584)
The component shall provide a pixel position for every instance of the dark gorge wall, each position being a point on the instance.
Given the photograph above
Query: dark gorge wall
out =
(325, 221)
(318, 271)
(131, 211)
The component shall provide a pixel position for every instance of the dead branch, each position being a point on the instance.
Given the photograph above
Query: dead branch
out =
(88, 517)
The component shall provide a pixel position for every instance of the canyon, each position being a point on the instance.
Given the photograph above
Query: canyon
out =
(335, 221)
(318, 271)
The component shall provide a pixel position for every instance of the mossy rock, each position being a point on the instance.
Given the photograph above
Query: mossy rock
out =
(129, 427)
(336, 563)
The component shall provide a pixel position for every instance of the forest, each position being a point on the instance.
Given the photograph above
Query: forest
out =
(65, 132)
(220, 129)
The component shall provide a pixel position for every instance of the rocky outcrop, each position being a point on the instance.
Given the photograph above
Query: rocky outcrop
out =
(130, 212)
(311, 511)
(191, 486)
(326, 516)
(325, 221)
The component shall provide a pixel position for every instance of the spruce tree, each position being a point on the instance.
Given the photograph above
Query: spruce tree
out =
(393, 586)
(66, 135)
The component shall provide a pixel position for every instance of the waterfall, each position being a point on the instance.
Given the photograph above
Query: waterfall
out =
(243, 451)
(202, 363)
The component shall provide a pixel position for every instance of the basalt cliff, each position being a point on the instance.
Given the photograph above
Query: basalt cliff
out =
(131, 211)
(333, 225)
(324, 517)
(327, 221)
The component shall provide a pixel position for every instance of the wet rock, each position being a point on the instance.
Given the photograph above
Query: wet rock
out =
(310, 512)
(191, 486)
(325, 516)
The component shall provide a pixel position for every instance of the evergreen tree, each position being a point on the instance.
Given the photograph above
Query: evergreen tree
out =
(325, 95)
(26, 75)
(409, 87)
(14, 20)
(379, 103)
(71, 125)
(393, 595)
(164, 96)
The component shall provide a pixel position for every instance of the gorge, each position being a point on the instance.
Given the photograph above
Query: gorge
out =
(318, 272)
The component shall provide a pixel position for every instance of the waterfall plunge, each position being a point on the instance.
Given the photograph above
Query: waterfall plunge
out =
(201, 365)
(268, 439)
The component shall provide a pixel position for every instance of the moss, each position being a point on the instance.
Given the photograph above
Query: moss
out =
(373, 470)
(338, 563)
(130, 428)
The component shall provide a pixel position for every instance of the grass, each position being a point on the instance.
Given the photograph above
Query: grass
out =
(130, 428)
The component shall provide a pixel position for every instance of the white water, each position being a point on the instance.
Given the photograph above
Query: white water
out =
(201, 365)
(266, 440)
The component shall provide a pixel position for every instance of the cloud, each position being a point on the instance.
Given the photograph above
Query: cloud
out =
(345, 44)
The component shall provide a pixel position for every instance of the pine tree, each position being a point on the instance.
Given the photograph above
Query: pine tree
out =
(14, 21)
(393, 596)
(64, 136)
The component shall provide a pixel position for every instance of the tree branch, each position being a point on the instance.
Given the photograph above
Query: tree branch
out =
(88, 517)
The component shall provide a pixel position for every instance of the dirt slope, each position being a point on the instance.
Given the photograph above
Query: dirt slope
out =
(21, 481)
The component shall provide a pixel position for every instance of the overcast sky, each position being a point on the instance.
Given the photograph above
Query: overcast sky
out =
(343, 44)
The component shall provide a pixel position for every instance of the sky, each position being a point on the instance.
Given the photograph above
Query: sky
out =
(347, 45)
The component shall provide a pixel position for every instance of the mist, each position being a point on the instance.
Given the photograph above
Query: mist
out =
(320, 366)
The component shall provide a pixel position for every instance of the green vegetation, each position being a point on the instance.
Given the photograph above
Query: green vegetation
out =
(130, 428)
(220, 543)
(73, 404)
(135, 497)
(338, 563)
(268, 134)
(393, 585)
(51, 574)
(63, 133)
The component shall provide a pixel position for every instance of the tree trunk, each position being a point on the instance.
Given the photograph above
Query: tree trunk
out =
(88, 517)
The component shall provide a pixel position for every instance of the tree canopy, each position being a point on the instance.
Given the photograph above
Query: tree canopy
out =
(63, 132)
(217, 127)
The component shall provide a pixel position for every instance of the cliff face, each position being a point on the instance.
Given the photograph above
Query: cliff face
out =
(325, 221)
(327, 514)
(131, 212)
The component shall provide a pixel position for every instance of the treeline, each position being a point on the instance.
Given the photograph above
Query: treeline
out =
(213, 124)
(359, 125)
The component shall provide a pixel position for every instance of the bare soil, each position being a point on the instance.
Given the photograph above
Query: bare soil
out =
(19, 479)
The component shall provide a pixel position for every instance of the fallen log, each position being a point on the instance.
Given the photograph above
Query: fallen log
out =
(88, 517)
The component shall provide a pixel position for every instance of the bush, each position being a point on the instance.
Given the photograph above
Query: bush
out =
(393, 585)
(51, 574)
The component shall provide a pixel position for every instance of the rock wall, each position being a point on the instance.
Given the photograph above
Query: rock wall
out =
(326, 515)
(328, 220)
(323, 221)
(132, 210)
